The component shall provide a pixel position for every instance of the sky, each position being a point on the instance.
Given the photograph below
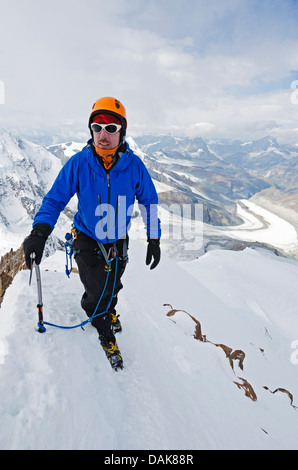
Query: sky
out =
(208, 68)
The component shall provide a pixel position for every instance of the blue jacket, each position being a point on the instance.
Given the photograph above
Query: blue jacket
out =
(105, 200)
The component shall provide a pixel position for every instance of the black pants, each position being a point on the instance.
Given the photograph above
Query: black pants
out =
(93, 273)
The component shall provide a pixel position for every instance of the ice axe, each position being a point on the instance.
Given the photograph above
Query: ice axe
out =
(41, 327)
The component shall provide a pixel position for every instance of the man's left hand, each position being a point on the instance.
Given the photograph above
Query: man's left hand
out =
(153, 252)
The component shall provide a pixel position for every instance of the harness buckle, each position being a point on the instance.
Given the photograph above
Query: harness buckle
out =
(113, 252)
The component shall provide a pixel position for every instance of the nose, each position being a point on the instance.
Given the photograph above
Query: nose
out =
(102, 131)
(103, 134)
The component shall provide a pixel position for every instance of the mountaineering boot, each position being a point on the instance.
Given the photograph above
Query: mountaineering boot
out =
(115, 322)
(113, 354)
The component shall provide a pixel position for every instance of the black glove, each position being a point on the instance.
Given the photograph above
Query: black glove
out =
(153, 251)
(35, 243)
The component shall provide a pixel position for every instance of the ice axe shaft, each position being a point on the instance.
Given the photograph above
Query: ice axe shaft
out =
(41, 327)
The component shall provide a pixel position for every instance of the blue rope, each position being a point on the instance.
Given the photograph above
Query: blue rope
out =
(41, 326)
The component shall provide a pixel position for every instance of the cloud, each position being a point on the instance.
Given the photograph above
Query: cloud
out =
(217, 67)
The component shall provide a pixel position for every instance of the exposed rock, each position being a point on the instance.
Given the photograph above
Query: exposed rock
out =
(10, 264)
(236, 355)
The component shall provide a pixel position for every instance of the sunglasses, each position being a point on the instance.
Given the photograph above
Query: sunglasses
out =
(110, 128)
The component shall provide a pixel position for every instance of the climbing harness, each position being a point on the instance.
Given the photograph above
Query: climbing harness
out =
(112, 253)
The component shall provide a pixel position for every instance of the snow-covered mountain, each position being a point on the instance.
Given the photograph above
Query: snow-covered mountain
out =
(236, 169)
(197, 180)
(66, 150)
(27, 172)
(265, 158)
(209, 340)
(229, 382)
(226, 177)
(189, 175)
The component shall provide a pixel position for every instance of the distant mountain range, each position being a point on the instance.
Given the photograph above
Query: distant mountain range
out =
(213, 174)
(233, 168)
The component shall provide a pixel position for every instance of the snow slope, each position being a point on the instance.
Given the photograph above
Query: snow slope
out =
(27, 172)
(58, 391)
(259, 225)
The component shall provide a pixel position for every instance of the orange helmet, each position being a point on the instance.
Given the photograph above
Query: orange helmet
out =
(111, 106)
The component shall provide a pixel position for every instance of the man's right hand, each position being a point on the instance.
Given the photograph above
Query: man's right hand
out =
(35, 243)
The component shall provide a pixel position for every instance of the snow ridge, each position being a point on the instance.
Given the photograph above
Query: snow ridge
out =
(58, 391)
(232, 356)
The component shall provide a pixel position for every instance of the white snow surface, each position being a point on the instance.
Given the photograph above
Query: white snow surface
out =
(69, 148)
(259, 225)
(58, 391)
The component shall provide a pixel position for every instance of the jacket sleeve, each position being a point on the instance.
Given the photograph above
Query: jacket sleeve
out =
(148, 202)
(64, 187)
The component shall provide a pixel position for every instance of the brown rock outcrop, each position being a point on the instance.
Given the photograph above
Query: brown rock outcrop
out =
(10, 264)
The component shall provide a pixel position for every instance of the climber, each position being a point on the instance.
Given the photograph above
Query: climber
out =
(102, 174)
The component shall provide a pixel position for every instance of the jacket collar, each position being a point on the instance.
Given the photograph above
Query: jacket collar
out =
(124, 158)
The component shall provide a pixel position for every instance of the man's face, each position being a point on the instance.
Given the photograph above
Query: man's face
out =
(107, 141)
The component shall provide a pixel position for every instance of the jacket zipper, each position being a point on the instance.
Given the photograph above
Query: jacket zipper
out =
(116, 211)
(108, 211)
(109, 197)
